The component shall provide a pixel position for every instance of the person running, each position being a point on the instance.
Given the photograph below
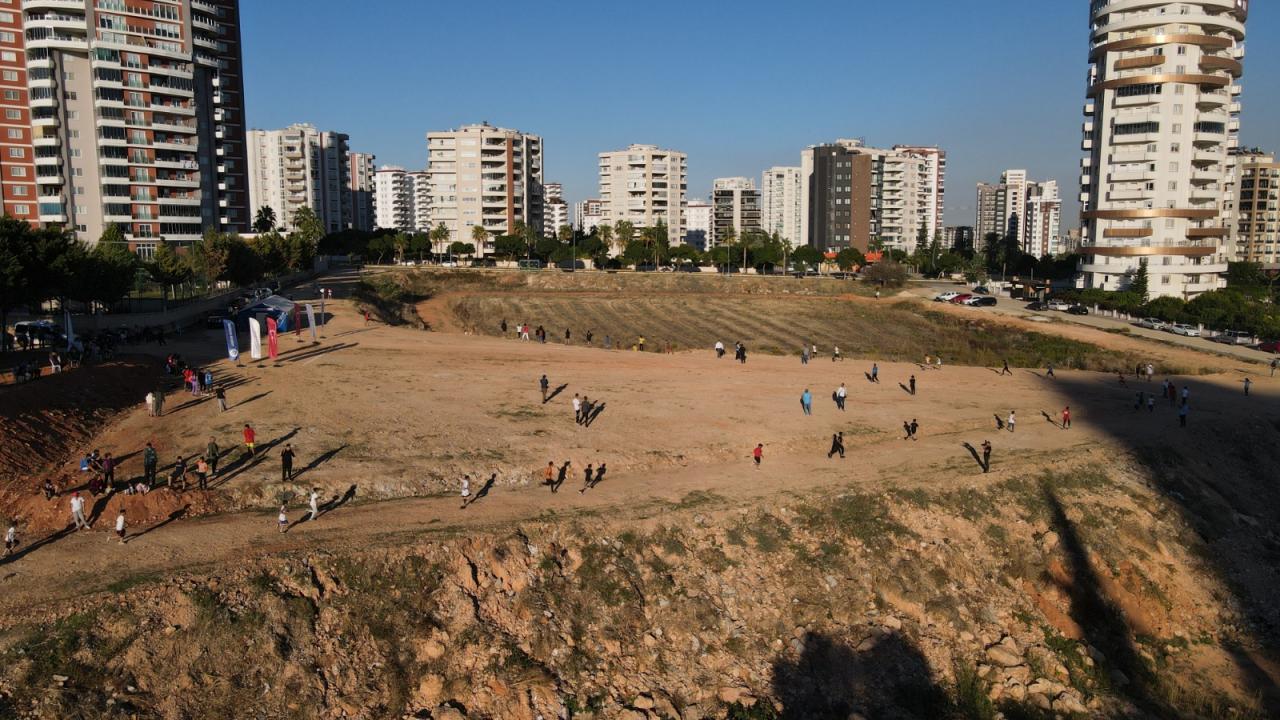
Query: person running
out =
(837, 446)
(562, 475)
(587, 476)
(211, 453)
(1005, 369)
(1066, 418)
(149, 462)
(549, 475)
(875, 372)
(77, 511)
(545, 384)
(313, 504)
(249, 439)
(719, 349)
(986, 456)
(286, 463)
(11, 538)
(1247, 384)
(1013, 420)
(912, 384)
(842, 394)
(282, 520)
(757, 455)
(120, 525)
(577, 409)
(220, 393)
(1049, 371)
(806, 402)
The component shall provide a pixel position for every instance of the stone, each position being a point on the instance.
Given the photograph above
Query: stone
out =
(1002, 656)
(447, 713)
(1069, 704)
(1049, 541)
(729, 695)
(643, 702)
(1015, 692)
(892, 622)
(1040, 701)
(430, 691)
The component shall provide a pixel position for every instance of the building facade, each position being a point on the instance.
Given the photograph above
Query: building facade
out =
(485, 176)
(393, 199)
(420, 185)
(360, 171)
(645, 185)
(1043, 220)
(1161, 115)
(588, 214)
(699, 216)
(299, 167)
(735, 208)
(958, 237)
(556, 214)
(115, 116)
(1253, 206)
(780, 197)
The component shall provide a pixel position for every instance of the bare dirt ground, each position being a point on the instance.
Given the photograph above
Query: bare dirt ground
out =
(387, 421)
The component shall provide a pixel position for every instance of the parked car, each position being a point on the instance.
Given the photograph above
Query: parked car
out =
(1151, 324)
(1234, 337)
(30, 333)
(982, 290)
(1059, 304)
(946, 296)
(1271, 346)
(1184, 330)
(960, 299)
(1078, 310)
(983, 301)
(1037, 306)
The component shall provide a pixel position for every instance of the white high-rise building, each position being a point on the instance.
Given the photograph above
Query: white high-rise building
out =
(1042, 234)
(699, 216)
(735, 207)
(420, 184)
(780, 198)
(393, 199)
(556, 210)
(360, 182)
(1161, 116)
(487, 177)
(645, 185)
(299, 167)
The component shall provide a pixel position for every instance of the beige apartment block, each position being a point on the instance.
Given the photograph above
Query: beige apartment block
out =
(645, 185)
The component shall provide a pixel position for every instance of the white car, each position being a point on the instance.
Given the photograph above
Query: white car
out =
(1152, 324)
(1184, 330)
(1058, 305)
(946, 297)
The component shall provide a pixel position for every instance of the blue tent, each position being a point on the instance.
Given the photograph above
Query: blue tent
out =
(272, 306)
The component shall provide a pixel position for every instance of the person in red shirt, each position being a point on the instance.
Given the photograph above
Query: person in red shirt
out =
(1066, 418)
(758, 454)
(249, 436)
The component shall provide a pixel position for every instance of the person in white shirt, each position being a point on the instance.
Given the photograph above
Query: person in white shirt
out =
(314, 504)
(77, 511)
(466, 489)
(11, 538)
(283, 519)
(120, 526)
(1013, 419)
(577, 409)
(841, 394)
(719, 349)
(151, 404)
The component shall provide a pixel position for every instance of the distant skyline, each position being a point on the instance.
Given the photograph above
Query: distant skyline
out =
(997, 85)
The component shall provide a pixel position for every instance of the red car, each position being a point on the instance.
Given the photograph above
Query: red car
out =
(1271, 346)
(959, 299)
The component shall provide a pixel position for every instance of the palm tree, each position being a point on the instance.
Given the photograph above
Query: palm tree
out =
(604, 231)
(265, 220)
(625, 232)
(440, 238)
(478, 236)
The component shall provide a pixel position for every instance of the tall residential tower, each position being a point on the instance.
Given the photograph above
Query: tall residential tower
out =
(1161, 116)
(645, 185)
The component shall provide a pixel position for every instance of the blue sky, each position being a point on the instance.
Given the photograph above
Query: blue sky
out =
(739, 87)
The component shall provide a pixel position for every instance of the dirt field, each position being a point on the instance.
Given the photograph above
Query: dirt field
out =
(378, 413)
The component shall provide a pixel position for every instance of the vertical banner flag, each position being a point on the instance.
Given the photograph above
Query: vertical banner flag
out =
(71, 331)
(311, 321)
(233, 347)
(297, 323)
(322, 316)
(255, 339)
(272, 341)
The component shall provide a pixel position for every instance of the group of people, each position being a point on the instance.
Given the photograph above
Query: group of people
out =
(553, 477)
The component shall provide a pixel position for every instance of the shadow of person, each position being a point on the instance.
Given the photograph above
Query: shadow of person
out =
(320, 460)
(552, 395)
(999, 421)
(868, 376)
(595, 413)
(599, 476)
(976, 457)
(1049, 418)
(905, 389)
(887, 677)
(49, 539)
(176, 514)
(336, 502)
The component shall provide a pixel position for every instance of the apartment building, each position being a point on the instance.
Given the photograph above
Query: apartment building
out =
(1041, 235)
(1161, 114)
(299, 167)
(485, 176)
(360, 171)
(958, 237)
(735, 208)
(393, 199)
(1253, 208)
(420, 182)
(780, 196)
(1028, 210)
(854, 194)
(556, 213)
(588, 214)
(125, 115)
(699, 215)
(645, 185)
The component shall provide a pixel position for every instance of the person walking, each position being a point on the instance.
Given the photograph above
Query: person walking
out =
(151, 404)
(178, 478)
(1013, 419)
(804, 354)
(220, 394)
(149, 462)
(77, 511)
(120, 525)
(549, 475)
(906, 430)
(806, 402)
(1247, 384)
(1151, 403)
(202, 473)
(1182, 414)
(1186, 394)
(157, 401)
(282, 520)
(1049, 371)
(211, 453)
(568, 335)
(842, 394)
(249, 439)
(50, 492)
(313, 504)
(109, 472)
(757, 455)
(545, 384)
(915, 428)
(466, 490)
(835, 353)
(837, 446)
(286, 463)
(1151, 371)
(912, 384)
(1005, 369)
(587, 476)
(1275, 362)
(577, 409)
(562, 475)
(1066, 418)
(590, 335)
(875, 372)
(719, 349)
(986, 456)
(11, 538)
(587, 405)
(599, 475)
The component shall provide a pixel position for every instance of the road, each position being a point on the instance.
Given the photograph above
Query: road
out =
(1015, 308)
